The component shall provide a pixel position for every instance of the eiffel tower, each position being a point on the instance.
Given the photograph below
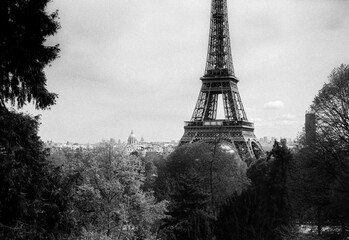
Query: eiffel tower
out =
(219, 80)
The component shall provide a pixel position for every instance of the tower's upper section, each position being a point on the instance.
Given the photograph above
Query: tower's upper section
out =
(219, 59)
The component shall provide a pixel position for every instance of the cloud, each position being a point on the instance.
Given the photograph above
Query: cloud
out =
(285, 120)
(274, 105)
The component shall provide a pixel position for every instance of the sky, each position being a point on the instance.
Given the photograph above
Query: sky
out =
(136, 64)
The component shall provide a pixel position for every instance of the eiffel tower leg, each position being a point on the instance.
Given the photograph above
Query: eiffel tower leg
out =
(200, 107)
(240, 106)
(229, 106)
(211, 107)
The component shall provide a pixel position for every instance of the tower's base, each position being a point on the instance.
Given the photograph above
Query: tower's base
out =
(238, 135)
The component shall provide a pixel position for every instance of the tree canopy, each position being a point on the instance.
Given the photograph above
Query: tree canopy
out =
(321, 169)
(262, 210)
(331, 107)
(198, 178)
(33, 194)
(109, 200)
(25, 27)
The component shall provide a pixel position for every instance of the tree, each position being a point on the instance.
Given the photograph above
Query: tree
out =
(331, 108)
(262, 211)
(310, 186)
(198, 178)
(188, 214)
(324, 165)
(33, 194)
(109, 201)
(151, 162)
(215, 165)
(25, 26)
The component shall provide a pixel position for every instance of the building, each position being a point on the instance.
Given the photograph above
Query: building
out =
(310, 128)
(219, 81)
(132, 140)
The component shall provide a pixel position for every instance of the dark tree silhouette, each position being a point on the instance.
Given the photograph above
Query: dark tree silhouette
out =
(331, 108)
(33, 195)
(322, 176)
(188, 215)
(25, 26)
(196, 179)
(263, 210)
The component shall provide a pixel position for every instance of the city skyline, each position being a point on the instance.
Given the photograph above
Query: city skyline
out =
(137, 65)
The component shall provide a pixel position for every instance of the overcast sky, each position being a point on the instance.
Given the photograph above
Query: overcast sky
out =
(136, 64)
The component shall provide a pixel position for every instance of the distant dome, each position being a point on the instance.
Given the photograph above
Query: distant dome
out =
(132, 139)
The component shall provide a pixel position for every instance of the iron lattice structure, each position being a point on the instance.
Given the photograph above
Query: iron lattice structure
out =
(219, 60)
(220, 80)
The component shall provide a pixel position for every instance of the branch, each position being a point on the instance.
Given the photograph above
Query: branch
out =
(3, 105)
(15, 228)
(104, 194)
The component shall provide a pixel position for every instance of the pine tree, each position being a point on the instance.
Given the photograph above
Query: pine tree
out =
(188, 216)
(33, 195)
(25, 26)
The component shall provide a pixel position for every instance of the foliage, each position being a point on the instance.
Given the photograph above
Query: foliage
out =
(24, 53)
(311, 187)
(93, 236)
(196, 178)
(109, 201)
(221, 172)
(151, 162)
(331, 107)
(159, 184)
(33, 195)
(322, 168)
(188, 215)
(263, 209)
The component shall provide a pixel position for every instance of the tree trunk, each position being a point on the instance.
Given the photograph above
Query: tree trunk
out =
(319, 225)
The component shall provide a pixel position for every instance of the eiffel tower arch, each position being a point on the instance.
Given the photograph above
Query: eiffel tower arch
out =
(219, 80)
